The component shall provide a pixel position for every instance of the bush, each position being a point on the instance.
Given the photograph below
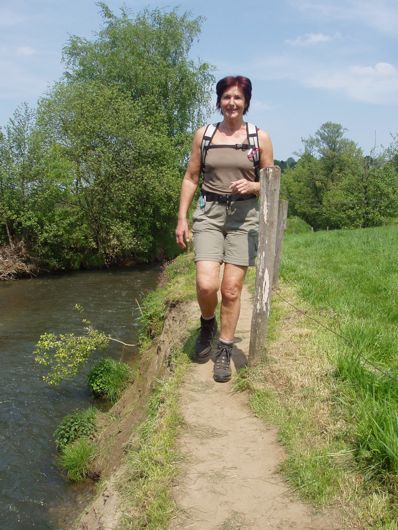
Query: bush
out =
(108, 378)
(76, 425)
(76, 458)
(296, 225)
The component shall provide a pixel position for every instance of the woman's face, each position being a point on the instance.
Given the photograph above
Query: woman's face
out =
(232, 103)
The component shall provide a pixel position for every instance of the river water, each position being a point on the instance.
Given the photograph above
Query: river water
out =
(33, 492)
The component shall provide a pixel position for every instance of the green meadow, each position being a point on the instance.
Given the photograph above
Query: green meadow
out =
(350, 279)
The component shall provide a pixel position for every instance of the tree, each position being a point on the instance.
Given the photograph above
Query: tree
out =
(126, 169)
(124, 115)
(334, 186)
(94, 178)
(147, 58)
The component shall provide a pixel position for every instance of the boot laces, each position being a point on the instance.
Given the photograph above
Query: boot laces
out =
(223, 356)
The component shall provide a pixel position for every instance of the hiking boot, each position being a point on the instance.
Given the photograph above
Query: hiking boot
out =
(208, 329)
(222, 363)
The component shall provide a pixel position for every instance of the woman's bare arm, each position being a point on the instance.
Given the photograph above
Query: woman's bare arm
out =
(188, 188)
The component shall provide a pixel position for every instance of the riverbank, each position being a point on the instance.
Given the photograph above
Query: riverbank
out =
(136, 436)
(17, 263)
(32, 486)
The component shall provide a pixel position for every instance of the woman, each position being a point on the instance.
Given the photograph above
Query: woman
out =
(225, 223)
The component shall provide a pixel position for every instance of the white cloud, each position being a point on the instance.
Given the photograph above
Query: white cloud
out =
(371, 84)
(310, 38)
(377, 83)
(379, 14)
(25, 51)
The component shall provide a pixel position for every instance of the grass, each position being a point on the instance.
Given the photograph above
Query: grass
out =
(152, 457)
(108, 378)
(178, 286)
(152, 460)
(76, 458)
(336, 411)
(352, 278)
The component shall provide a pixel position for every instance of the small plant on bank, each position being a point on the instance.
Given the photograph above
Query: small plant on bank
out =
(76, 458)
(64, 355)
(108, 378)
(80, 423)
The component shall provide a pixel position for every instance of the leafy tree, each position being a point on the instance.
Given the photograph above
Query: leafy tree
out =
(147, 58)
(35, 181)
(95, 176)
(126, 170)
(334, 186)
(285, 164)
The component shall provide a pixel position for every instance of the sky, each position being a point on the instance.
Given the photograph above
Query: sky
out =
(310, 61)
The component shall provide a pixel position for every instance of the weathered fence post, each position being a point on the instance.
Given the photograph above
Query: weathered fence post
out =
(269, 205)
(282, 220)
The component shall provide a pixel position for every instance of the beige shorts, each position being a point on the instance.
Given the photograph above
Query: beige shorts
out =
(226, 233)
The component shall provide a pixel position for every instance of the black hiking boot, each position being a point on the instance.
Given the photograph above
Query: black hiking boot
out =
(208, 329)
(222, 363)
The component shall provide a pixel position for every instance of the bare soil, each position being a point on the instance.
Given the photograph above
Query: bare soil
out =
(229, 479)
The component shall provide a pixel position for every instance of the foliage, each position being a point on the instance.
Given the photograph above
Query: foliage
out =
(92, 176)
(295, 225)
(80, 423)
(76, 458)
(64, 355)
(108, 378)
(334, 186)
(285, 164)
(147, 57)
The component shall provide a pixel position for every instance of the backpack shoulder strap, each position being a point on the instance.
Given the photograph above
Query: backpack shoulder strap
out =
(210, 131)
(252, 136)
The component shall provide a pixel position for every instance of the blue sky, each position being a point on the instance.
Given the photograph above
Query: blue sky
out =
(310, 61)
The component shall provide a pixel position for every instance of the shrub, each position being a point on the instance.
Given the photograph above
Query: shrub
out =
(76, 425)
(296, 225)
(108, 378)
(76, 458)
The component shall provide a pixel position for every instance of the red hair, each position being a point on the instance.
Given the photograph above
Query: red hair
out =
(241, 82)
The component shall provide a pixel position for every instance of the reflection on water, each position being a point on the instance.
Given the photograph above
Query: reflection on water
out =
(30, 484)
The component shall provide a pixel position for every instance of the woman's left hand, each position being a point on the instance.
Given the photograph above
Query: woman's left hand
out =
(244, 187)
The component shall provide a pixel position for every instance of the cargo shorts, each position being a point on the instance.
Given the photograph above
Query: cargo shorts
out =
(226, 232)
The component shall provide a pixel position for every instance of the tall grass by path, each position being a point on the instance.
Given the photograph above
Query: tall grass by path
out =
(351, 279)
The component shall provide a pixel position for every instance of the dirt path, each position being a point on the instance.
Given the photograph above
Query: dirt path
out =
(229, 478)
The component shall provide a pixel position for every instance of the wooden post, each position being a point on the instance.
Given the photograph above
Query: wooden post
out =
(269, 202)
(280, 230)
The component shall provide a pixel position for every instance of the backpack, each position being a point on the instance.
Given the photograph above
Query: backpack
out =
(252, 135)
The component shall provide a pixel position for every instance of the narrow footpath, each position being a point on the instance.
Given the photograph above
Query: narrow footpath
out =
(229, 477)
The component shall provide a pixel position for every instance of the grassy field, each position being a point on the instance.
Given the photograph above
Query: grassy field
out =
(351, 278)
(330, 382)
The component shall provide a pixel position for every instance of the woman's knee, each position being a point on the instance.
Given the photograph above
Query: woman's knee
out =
(231, 291)
(206, 287)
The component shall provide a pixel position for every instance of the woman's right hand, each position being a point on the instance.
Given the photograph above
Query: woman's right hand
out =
(182, 233)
